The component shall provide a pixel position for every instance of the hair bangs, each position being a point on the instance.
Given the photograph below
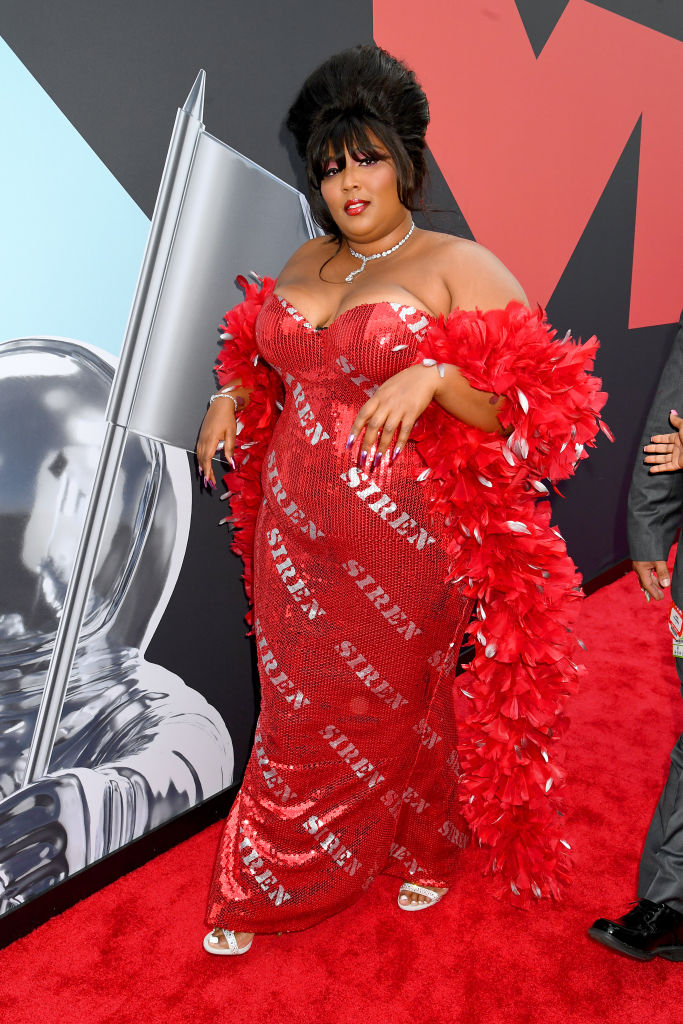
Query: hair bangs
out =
(347, 133)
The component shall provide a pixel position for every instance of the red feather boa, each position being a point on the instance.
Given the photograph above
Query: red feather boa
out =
(238, 359)
(503, 551)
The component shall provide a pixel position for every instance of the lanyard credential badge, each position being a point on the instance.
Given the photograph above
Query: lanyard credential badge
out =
(676, 627)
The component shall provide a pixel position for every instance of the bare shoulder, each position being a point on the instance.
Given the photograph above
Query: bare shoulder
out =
(315, 251)
(476, 279)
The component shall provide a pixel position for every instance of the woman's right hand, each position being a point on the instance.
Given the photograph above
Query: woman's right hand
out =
(219, 425)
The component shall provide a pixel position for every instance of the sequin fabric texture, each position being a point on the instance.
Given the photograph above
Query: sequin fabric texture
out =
(354, 769)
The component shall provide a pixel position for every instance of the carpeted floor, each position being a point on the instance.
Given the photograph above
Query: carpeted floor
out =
(133, 951)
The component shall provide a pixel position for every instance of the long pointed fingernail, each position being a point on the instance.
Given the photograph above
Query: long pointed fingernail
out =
(362, 460)
(376, 461)
(351, 439)
(232, 462)
(211, 485)
(396, 451)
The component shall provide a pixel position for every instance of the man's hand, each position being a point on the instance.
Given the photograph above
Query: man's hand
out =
(665, 451)
(653, 577)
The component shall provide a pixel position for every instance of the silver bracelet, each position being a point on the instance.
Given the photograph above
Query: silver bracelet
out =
(238, 401)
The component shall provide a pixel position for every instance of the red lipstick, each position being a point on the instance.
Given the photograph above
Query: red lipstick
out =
(355, 206)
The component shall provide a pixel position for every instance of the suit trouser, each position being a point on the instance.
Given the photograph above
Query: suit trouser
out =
(661, 866)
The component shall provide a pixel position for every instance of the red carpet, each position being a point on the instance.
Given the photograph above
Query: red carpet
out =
(133, 951)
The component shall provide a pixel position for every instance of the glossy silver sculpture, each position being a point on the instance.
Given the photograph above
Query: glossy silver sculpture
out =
(215, 212)
(97, 746)
(135, 746)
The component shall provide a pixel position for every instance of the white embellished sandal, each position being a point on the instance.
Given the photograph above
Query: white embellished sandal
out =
(211, 943)
(420, 890)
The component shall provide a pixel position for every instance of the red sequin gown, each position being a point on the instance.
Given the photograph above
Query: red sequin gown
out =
(354, 769)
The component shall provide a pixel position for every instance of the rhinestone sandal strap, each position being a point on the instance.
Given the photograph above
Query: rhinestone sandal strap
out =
(419, 890)
(231, 940)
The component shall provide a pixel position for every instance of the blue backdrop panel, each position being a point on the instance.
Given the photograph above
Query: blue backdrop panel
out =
(72, 237)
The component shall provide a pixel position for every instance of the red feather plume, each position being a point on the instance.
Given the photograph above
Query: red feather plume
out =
(239, 359)
(508, 557)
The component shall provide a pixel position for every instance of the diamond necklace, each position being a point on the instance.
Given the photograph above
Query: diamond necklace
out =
(377, 255)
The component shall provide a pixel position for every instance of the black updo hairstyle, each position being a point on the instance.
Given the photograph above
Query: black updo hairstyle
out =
(359, 90)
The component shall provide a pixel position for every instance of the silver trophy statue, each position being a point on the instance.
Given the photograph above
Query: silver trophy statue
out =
(97, 745)
(134, 745)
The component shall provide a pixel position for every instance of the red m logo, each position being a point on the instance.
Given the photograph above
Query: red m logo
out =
(527, 145)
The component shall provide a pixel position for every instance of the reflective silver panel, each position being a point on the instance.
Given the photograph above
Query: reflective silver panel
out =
(236, 217)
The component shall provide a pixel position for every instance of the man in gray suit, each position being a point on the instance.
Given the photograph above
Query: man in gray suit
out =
(654, 927)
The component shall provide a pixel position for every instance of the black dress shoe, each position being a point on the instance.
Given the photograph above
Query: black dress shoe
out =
(649, 930)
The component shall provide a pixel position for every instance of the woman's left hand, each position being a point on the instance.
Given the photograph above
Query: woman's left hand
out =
(395, 406)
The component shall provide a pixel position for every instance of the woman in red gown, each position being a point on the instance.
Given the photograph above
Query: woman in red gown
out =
(398, 479)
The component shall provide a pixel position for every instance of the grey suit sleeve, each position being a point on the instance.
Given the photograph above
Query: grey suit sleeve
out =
(655, 502)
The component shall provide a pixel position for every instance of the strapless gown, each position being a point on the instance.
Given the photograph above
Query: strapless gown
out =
(354, 769)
